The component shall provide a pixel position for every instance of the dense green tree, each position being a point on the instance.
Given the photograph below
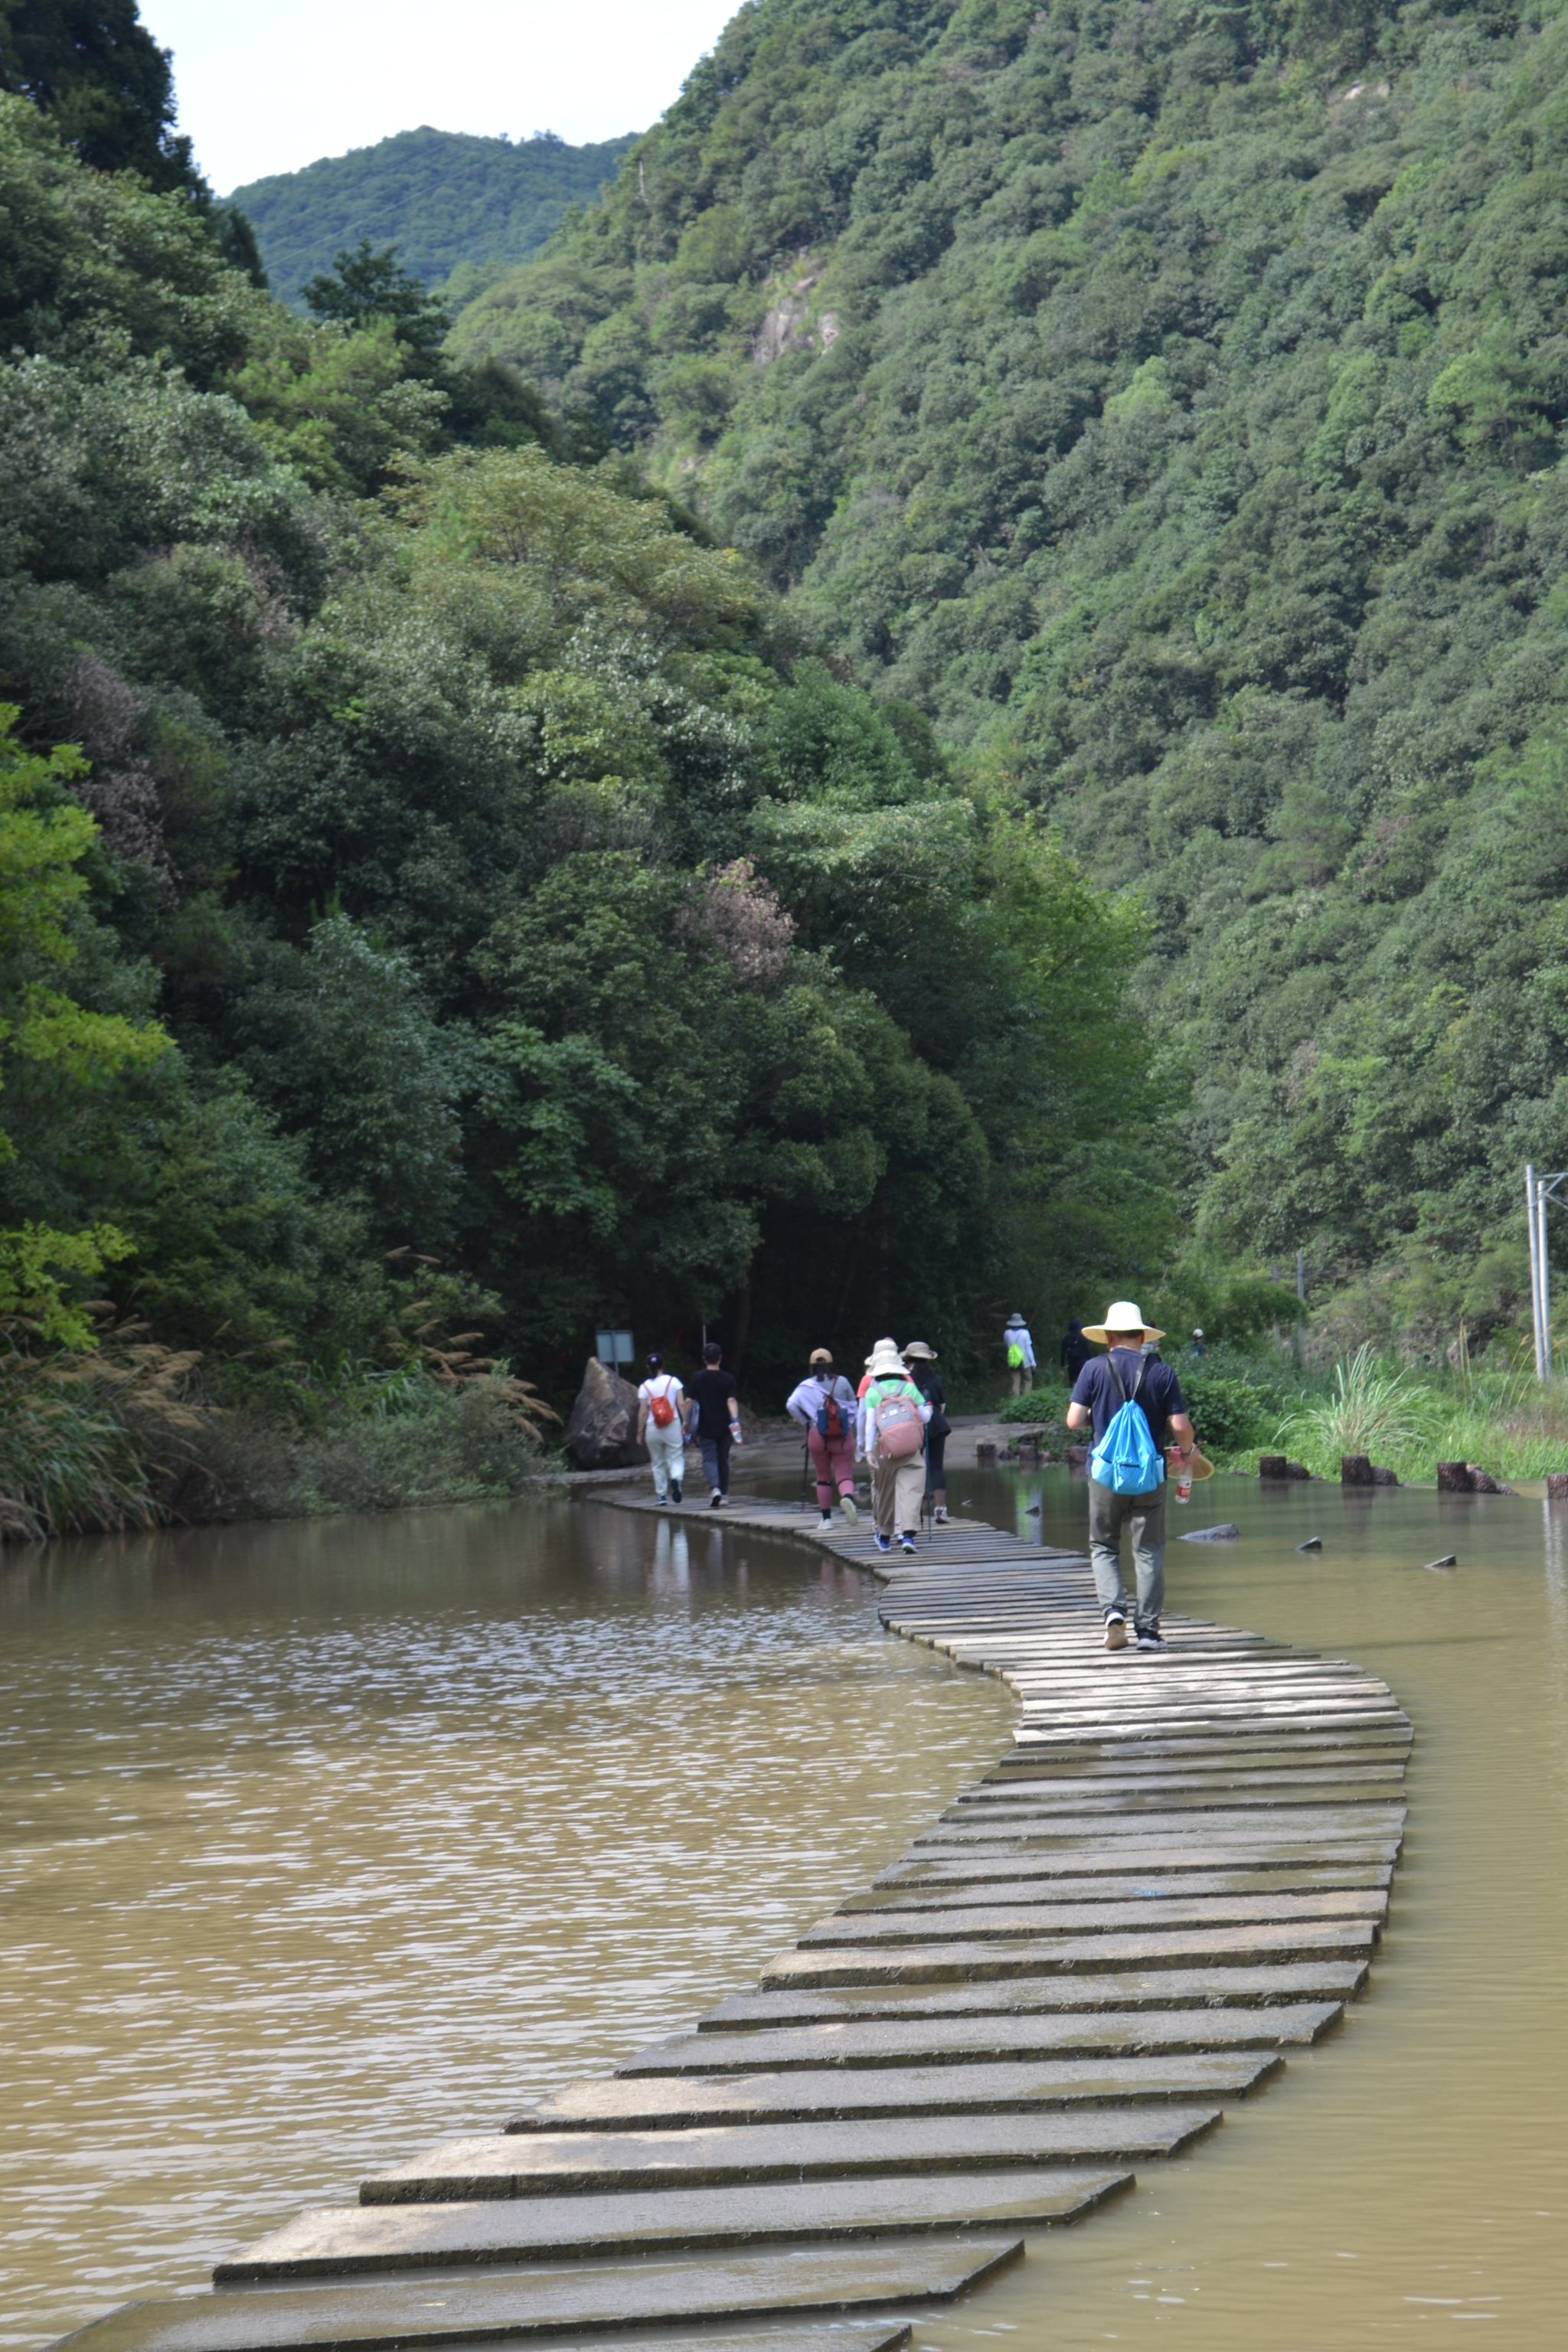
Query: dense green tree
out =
(457, 207)
(510, 884)
(365, 285)
(1169, 404)
(63, 1051)
(108, 88)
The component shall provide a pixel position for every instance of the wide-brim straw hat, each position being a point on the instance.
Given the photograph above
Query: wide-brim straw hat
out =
(917, 1348)
(884, 1362)
(1121, 1316)
(1200, 1466)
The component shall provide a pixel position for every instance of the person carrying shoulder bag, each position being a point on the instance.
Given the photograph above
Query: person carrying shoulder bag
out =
(661, 1427)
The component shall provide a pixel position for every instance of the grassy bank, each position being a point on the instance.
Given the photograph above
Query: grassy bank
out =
(1406, 1417)
(128, 1436)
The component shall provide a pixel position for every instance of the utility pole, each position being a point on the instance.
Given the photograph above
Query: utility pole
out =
(1537, 1191)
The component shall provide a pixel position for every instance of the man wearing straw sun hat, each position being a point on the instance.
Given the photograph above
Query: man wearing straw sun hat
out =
(1125, 1377)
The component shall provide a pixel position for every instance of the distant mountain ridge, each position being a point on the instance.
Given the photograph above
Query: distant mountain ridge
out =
(445, 198)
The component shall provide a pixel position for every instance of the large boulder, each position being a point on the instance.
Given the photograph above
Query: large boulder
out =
(601, 1433)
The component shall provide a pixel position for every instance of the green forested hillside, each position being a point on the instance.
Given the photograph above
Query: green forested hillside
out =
(445, 901)
(446, 200)
(1168, 402)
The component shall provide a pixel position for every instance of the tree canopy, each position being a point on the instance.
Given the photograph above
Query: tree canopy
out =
(462, 857)
(1169, 405)
(449, 202)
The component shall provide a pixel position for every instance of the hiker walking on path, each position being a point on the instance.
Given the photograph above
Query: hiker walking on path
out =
(921, 1361)
(1133, 1400)
(661, 1427)
(715, 1420)
(891, 1432)
(1019, 1350)
(1075, 1350)
(824, 1404)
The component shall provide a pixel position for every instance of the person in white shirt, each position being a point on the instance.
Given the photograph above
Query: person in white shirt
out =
(824, 1404)
(1019, 1350)
(661, 1427)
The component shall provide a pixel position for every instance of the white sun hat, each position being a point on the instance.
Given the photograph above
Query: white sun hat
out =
(1121, 1316)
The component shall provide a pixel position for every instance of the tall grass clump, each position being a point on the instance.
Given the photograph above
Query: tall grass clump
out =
(66, 1463)
(123, 1437)
(93, 1441)
(1372, 1408)
(1498, 1417)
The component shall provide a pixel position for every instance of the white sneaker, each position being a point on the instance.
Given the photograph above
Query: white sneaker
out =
(1115, 1631)
(825, 1520)
(847, 1504)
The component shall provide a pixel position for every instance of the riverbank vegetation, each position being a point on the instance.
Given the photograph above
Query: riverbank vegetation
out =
(445, 903)
(1407, 1417)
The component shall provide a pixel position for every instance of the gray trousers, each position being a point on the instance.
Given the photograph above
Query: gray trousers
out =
(1146, 1515)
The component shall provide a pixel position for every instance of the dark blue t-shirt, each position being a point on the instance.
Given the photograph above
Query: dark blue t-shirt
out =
(1159, 1391)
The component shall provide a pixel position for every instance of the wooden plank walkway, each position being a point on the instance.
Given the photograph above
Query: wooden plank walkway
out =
(1179, 1872)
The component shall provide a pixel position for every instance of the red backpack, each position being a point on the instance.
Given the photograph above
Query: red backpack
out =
(660, 1409)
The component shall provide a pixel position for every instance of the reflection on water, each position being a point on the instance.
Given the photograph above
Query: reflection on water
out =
(318, 1842)
(1410, 2175)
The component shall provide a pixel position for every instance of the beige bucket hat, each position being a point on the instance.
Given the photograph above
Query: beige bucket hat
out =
(1121, 1316)
(916, 1350)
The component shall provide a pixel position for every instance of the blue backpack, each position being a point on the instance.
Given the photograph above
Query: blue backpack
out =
(1127, 1459)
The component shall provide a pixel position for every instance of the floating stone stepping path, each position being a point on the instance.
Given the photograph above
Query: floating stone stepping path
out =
(1177, 1875)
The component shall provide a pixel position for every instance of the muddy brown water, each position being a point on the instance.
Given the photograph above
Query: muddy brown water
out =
(319, 1842)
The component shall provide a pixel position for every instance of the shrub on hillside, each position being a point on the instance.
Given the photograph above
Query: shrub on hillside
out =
(1230, 1413)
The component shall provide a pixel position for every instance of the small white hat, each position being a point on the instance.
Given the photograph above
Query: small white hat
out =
(885, 1363)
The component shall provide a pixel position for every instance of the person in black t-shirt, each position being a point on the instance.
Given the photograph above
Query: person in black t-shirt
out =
(1122, 1376)
(921, 1361)
(715, 1420)
(1075, 1350)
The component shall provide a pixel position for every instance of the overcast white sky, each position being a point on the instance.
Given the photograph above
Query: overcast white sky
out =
(268, 85)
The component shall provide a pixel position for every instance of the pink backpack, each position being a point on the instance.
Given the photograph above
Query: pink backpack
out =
(900, 1431)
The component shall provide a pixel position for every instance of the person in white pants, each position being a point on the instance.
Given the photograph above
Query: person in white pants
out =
(661, 1427)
